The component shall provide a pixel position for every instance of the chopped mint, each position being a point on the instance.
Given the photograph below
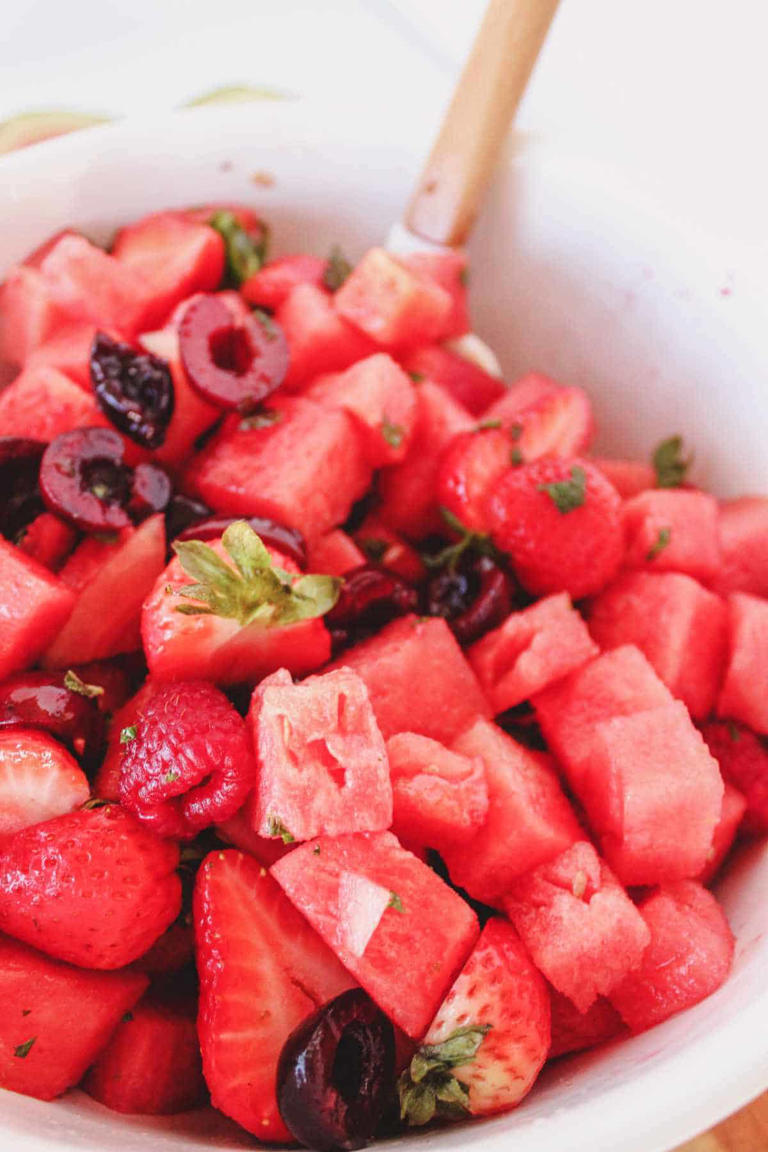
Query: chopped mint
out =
(567, 495)
(263, 419)
(733, 731)
(127, 1017)
(516, 431)
(669, 463)
(516, 458)
(316, 850)
(450, 556)
(374, 548)
(73, 682)
(128, 734)
(171, 777)
(23, 1050)
(486, 425)
(662, 540)
(395, 902)
(464, 276)
(275, 827)
(417, 377)
(392, 433)
(337, 269)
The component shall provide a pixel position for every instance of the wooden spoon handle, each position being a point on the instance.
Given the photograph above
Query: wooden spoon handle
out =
(448, 194)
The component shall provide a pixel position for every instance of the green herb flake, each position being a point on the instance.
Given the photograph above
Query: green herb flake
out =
(374, 548)
(127, 1017)
(90, 805)
(428, 1087)
(316, 850)
(567, 495)
(417, 377)
(395, 903)
(392, 433)
(487, 425)
(128, 734)
(271, 330)
(516, 431)
(26, 1011)
(733, 731)
(244, 253)
(275, 827)
(23, 1050)
(516, 458)
(171, 777)
(450, 556)
(73, 682)
(263, 419)
(670, 465)
(464, 276)
(662, 540)
(337, 269)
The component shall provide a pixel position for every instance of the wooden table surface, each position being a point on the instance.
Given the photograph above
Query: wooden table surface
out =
(747, 1131)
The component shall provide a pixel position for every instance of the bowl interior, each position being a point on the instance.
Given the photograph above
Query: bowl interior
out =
(574, 273)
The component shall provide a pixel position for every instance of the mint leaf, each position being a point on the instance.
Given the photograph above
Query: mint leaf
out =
(669, 463)
(244, 253)
(486, 425)
(337, 269)
(567, 495)
(128, 734)
(23, 1050)
(516, 431)
(275, 827)
(392, 433)
(662, 540)
(374, 549)
(73, 682)
(733, 731)
(263, 419)
(417, 377)
(516, 458)
(395, 902)
(171, 777)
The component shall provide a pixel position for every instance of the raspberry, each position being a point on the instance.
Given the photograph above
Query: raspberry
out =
(190, 763)
(560, 523)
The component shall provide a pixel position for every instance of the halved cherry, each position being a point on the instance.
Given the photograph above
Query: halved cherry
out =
(233, 364)
(151, 490)
(43, 700)
(134, 389)
(84, 479)
(289, 541)
(473, 597)
(370, 597)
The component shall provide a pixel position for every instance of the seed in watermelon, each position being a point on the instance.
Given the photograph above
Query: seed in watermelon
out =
(580, 927)
(322, 761)
(531, 650)
(529, 820)
(673, 530)
(393, 923)
(391, 305)
(689, 957)
(742, 696)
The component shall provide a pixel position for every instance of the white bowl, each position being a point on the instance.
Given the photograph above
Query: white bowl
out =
(576, 273)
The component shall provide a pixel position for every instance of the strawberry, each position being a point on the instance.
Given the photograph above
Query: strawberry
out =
(262, 971)
(489, 1039)
(471, 467)
(38, 780)
(55, 1019)
(106, 786)
(151, 1066)
(560, 523)
(743, 760)
(92, 887)
(179, 775)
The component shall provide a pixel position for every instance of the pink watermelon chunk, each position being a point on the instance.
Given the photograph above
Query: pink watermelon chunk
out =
(744, 541)
(531, 649)
(545, 418)
(731, 816)
(322, 761)
(272, 285)
(191, 414)
(440, 798)
(580, 927)
(743, 696)
(89, 284)
(409, 490)
(319, 339)
(393, 306)
(381, 400)
(393, 923)
(335, 554)
(653, 794)
(69, 351)
(29, 315)
(629, 477)
(529, 820)
(418, 679)
(305, 470)
(743, 760)
(102, 623)
(41, 403)
(676, 623)
(464, 381)
(238, 830)
(448, 269)
(689, 957)
(35, 605)
(673, 530)
(574, 1031)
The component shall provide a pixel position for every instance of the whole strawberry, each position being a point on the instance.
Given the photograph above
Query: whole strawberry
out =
(560, 523)
(187, 761)
(93, 887)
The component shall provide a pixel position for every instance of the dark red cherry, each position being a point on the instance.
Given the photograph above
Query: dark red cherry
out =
(336, 1074)
(84, 479)
(473, 597)
(234, 364)
(151, 489)
(182, 512)
(370, 597)
(20, 500)
(42, 700)
(289, 541)
(134, 389)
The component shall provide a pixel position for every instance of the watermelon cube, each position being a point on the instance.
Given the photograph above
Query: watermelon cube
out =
(464, 381)
(393, 923)
(272, 285)
(322, 761)
(385, 547)
(41, 403)
(35, 606)
(440, 797)
(653, 795)
(448, 269)
(89, 284)
(48, 540)
(744, 542)
(574, 1031)
(529, 820)
(676, 623)
(545, 418)
(56, 1019)
(743, 760)
(689, 957)
(29, 315)
(743, 695)
(174, 256)
(618, 683)
(319, 339)
(335, 554)
(238, 830)
(69, 351)
(380, 398)
(731, 816)
(104, 623)
(409, 490)
(392, 305)
(305, 470)
(531, 649)
(192, 416)
(418, 679)
(673, 530)
(629, 477)
(580, 927)
(180, 647)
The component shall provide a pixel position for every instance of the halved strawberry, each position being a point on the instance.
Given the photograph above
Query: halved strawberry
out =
(262, 971)
(471, 468)
(467, 383)
(489, 1039)
(39, 779)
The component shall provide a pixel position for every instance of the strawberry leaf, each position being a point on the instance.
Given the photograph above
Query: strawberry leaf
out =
(669, 463)
(428, 1087)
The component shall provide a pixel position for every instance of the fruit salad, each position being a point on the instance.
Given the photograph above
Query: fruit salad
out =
(366, 741)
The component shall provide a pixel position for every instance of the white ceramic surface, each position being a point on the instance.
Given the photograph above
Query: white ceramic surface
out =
(576, 274)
